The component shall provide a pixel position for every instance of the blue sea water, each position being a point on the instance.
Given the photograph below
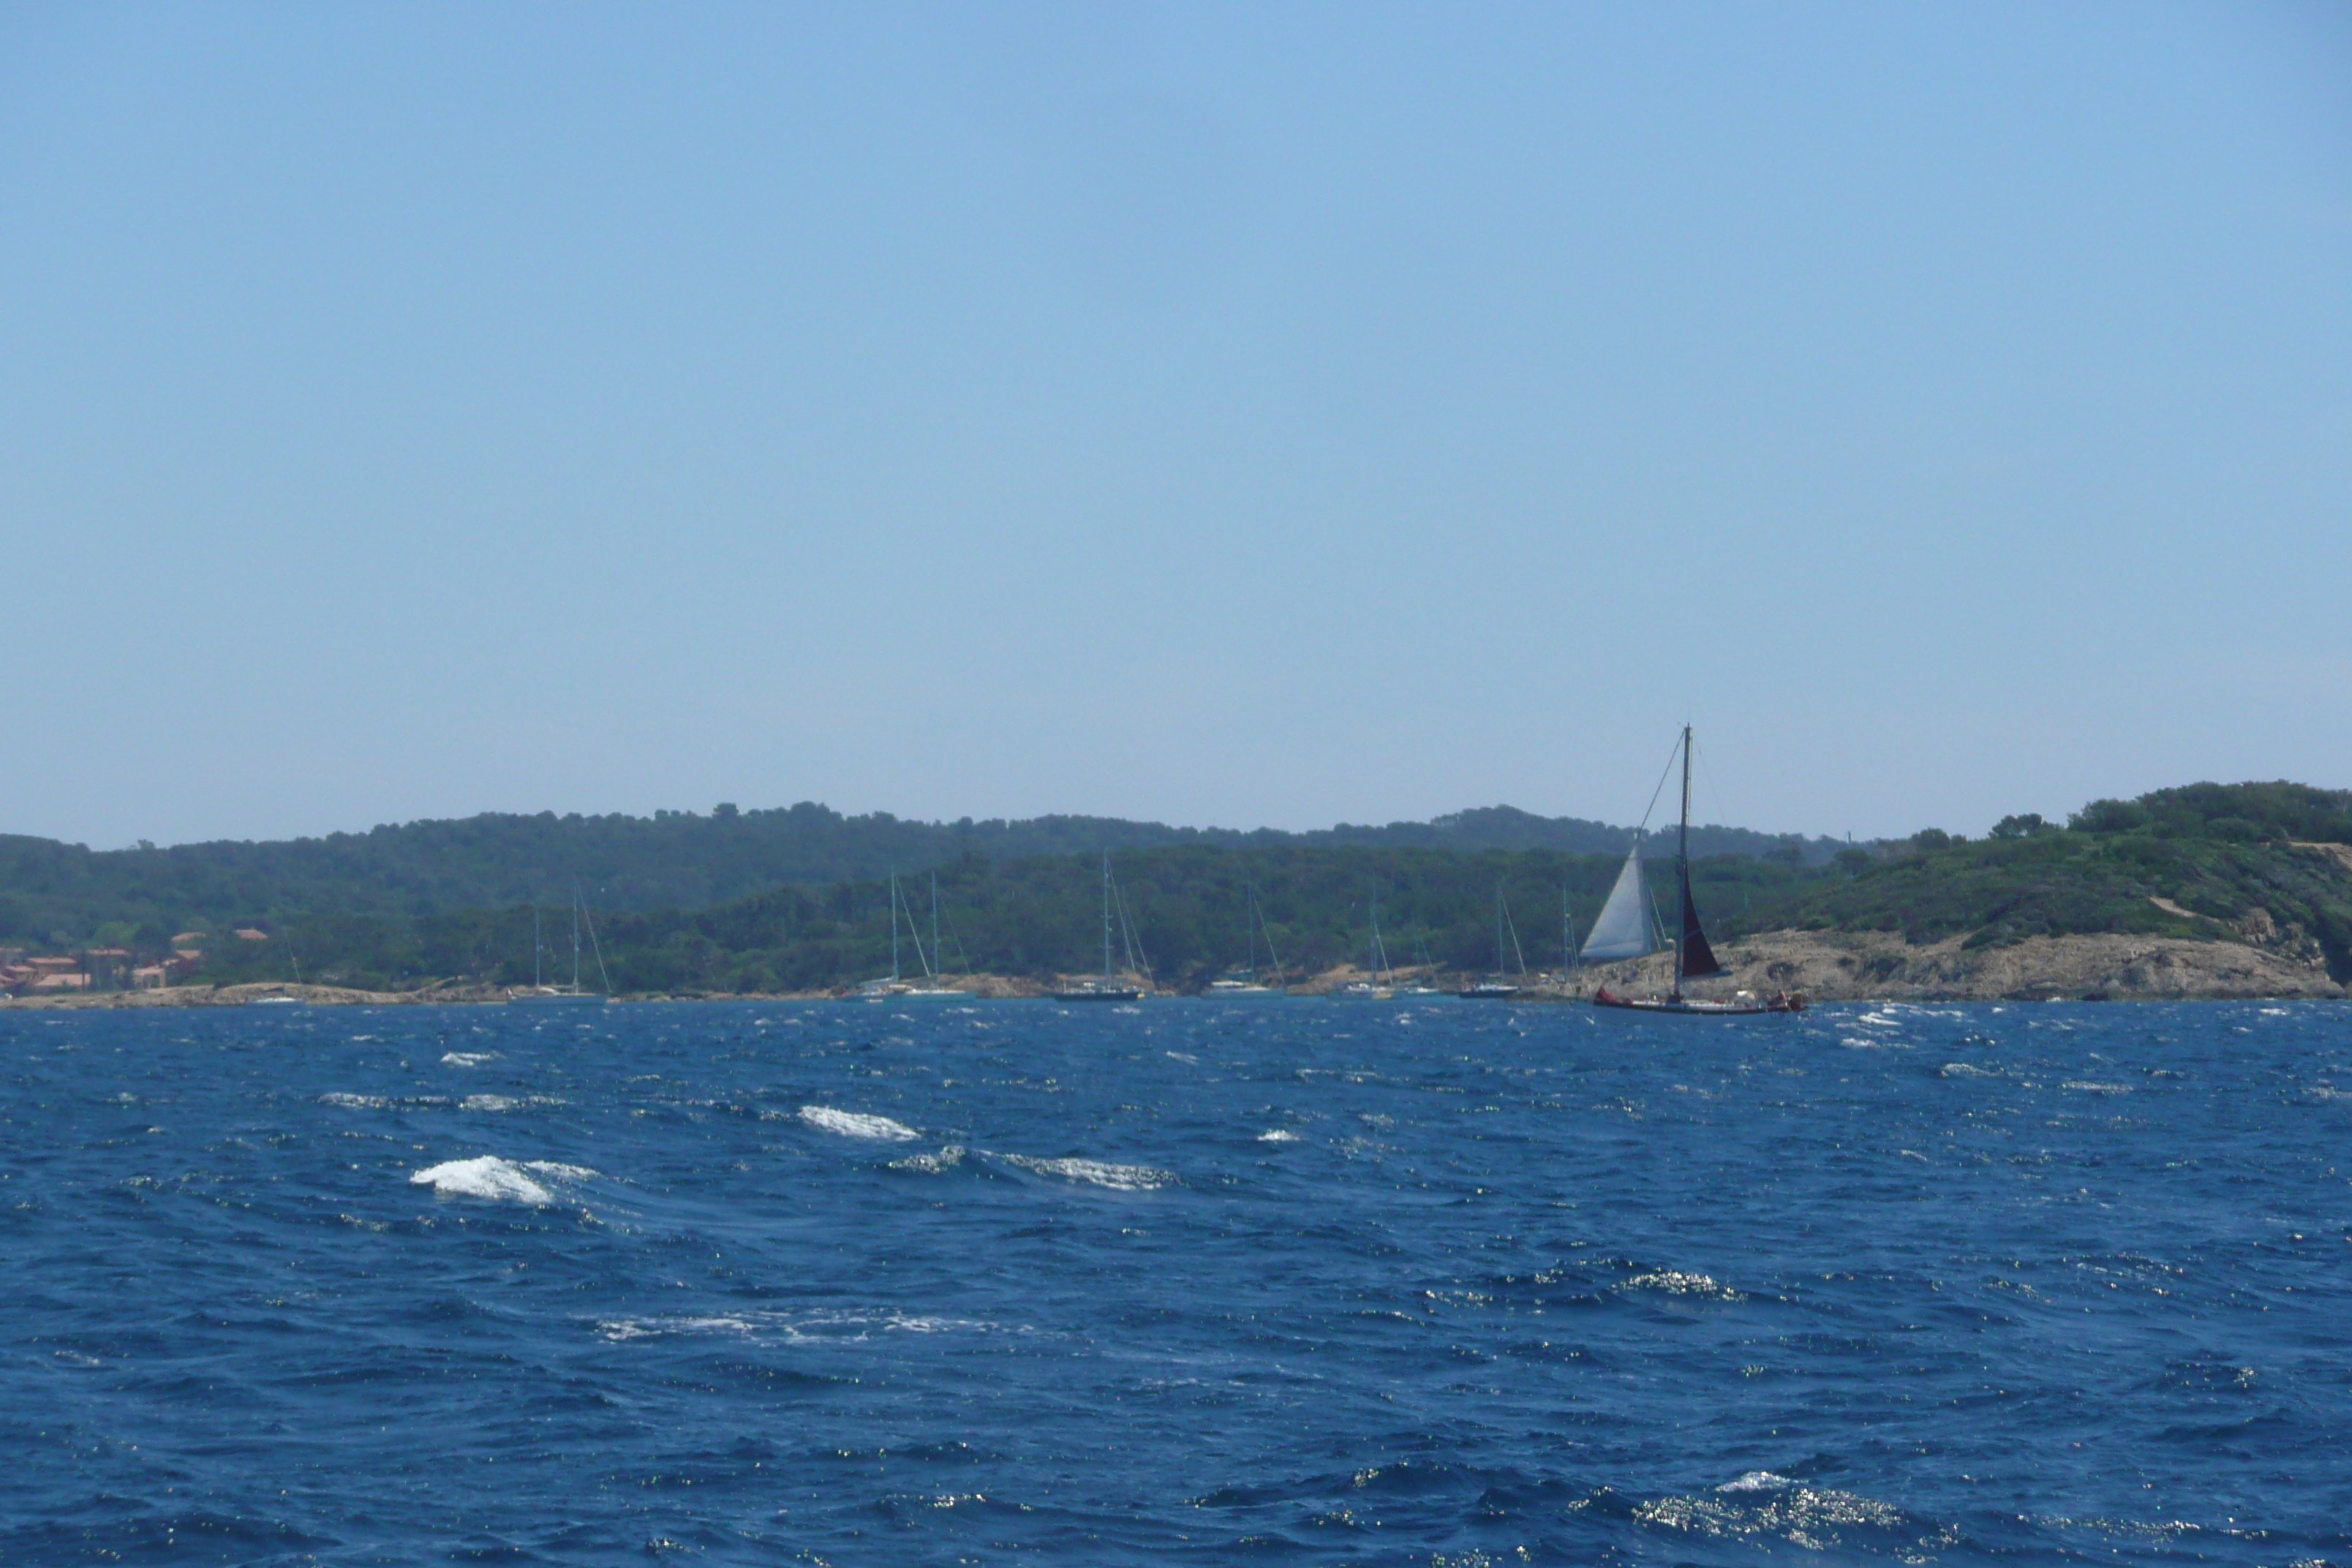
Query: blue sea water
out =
(1432, 1282)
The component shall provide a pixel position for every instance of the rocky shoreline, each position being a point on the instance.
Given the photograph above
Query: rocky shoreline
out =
(1880, 966)
(1827, 966)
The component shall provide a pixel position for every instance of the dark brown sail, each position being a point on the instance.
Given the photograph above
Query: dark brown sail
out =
(1697, 957)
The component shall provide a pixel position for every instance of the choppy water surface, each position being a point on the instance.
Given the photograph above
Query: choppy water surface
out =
(1450, 1282)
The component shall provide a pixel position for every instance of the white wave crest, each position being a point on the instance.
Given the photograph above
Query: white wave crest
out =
(467, 1058)
(1278, 1135)
(856, 1124)
(931, 1164)
(1675, 1282)
(1101, 1173)
(1965, 1069)
(2087, 1087)
(499, 1181)
(828, 1326)
(1756, 1481)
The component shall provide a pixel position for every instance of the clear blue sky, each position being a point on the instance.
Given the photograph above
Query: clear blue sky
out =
(1266, 414)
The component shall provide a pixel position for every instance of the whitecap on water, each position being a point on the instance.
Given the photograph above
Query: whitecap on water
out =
(824, 1327)
(1676, 1283)
(1769, 1506)
(467, 1058)
(1278, 1135)
(1101, 1173)
(856, 1124)
(932, 1164)
(2087, 1087)
(1964, 1070)
(498, 1181)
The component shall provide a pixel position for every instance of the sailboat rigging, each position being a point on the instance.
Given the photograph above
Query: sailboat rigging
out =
(1498, 986)
(1383, 983)
(1245, 981)
(1623, 930)
(1110, 988)
(541, 994)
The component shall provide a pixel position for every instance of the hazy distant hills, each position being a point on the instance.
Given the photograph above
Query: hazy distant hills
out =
(670, 860)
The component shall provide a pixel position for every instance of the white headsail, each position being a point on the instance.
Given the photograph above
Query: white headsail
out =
(1624, 929)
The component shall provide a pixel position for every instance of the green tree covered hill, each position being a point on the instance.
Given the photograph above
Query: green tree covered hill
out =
(1036, 915)
(57, 895)
(2239, 862)
(2250, 862)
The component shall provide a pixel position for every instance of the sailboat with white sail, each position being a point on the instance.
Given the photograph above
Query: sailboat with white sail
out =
(1626, 930)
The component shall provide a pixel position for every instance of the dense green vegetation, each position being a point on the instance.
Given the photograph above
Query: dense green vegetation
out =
(2228, 856)
(59, 895)
(740, 908)
(1038, 915)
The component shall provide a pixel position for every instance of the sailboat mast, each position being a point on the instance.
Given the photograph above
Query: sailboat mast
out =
(894, 928)
(1682, 866)
(1249, 929)
(535, 981)
(1105, 914)
(939, 959)
(575, 939)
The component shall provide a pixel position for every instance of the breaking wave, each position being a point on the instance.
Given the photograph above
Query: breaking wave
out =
(488, 1177)
(1101, 1173)
(856, 1124)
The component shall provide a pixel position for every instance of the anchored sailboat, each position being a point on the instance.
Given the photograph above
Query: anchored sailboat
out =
(544, 996)
(1383, 983)
(1246, 982)
(1624, 931)
(1110, 988)
(1499, 986)
(895, 988)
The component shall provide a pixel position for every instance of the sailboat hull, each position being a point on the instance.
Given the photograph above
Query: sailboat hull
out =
(556, 999)
(1686, 1007)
